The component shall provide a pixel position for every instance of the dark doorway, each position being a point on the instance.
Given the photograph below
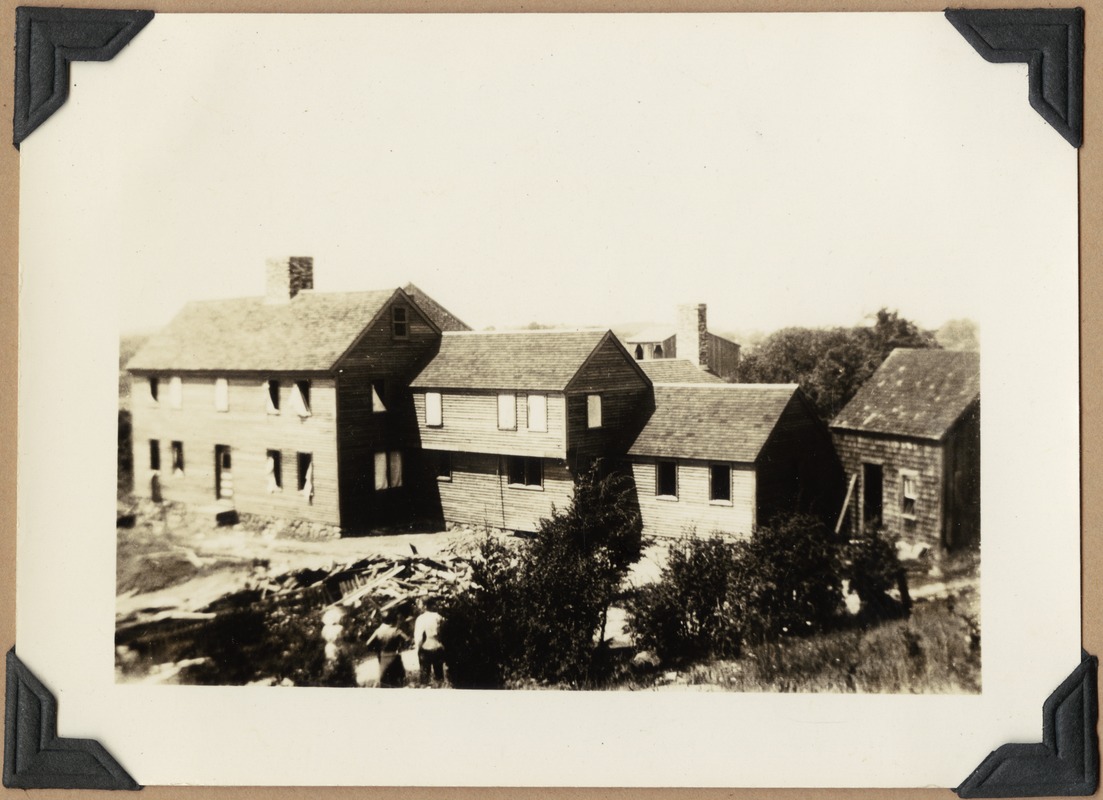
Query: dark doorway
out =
(873, 495)
(223, 473)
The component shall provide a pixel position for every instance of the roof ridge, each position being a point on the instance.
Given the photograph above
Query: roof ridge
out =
(725, 385)
(516, 331)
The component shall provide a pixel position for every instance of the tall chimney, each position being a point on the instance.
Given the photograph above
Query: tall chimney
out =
(286, 277)
(693, 339)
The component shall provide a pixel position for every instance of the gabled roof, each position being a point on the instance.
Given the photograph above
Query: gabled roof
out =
(308, 333)
(712, 421)
(916, 393)
(513, 360)
(656, 333)
(440, 316)
(676, 370)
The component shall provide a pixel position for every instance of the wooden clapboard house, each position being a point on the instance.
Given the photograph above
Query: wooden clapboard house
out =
(724, 458)
(295, 404)
(909, 441)
(509, 418)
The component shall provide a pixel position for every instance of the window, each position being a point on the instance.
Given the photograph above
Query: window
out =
(444, 466)
(274, 467)
(399, 326)
(593, 411)
(434, 412)
(658, 351)
(378, 392)
(154, 389)
(306, 475)
(639, 352)
(524, 471)
(666, 479)
(909, 494)
(178, 459)
(273, 392)
(388, 470)
(720, 483)
(538, 412)
(176, 392)
(221, 394)
(507, 412)
(154, 455)
(300, 398)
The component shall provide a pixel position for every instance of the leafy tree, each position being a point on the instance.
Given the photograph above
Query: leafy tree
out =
(830, 364)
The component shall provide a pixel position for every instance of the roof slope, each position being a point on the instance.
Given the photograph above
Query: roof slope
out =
(712, 421)
(919, 393)
(521, 360)
(310, 332)
(440, 316)
(656, 333)
(675, 370)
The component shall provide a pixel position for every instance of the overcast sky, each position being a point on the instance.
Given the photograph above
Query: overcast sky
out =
(591, 170)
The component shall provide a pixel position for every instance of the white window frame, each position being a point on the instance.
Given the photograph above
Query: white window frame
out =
(539, 402)
(731, 484)
(221, 394)
(387, 468)
(272, 408)
(906, 476)
(176, 392)
(593, 411)
(154, 386)
(434, 410)
(658, 464)
(273, 467)
(507, 411)
(178, 465)
(305, 480)
(525, 462)
(396, 322)
(298, 402)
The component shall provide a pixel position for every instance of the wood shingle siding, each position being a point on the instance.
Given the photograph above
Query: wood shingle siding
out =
(691, 512)
(479, 493)
(250, 432)
(470, 424)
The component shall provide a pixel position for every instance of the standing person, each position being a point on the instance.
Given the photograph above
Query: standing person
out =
(392, 675)
(430, 651)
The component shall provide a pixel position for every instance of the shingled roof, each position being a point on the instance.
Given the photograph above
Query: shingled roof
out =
(308, 333)
(514, 360)
(676, 370)
(441, 316)
(712, 421)
(917, 393)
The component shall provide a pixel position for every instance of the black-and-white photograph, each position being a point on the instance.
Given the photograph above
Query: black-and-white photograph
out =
(575, 355)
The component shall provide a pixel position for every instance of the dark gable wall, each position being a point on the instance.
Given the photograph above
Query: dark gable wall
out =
(961, 468)
(361, 432)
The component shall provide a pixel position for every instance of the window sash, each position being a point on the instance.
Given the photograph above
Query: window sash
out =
(221, 394)
(274, 470)
(434, 410)
(155, 455)
(538, 412)
(306, 475)
(666, 477)
(525, 471)
(593, 411)
(272, 395)
(400, 326)
(909, 494)
(154, 390)
(300, 398)
(178, 459)
(377, 392)
(507, 412)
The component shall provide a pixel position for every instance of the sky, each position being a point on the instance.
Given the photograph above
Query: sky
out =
(559, 169)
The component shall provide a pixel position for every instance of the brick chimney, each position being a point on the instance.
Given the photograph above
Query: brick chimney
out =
(692, 330)
(286, 277)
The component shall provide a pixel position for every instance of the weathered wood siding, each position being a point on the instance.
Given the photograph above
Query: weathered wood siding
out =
(379, 356)
(961, 467)
(625, 403)
(479, 493)
(895, 454)
(250, 432)
(470, 424)
(723, 357)
(692, 512)
(798, 468)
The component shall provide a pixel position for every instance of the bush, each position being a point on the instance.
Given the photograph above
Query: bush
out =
(789, 580)
(535, 608)
(686, 614)
(874, 569)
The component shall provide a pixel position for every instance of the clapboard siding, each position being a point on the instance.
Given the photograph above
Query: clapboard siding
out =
(377, 356)
(470, 424)
(479, 494)
(692, 511)
(798, 469)
(625, 400)
(250, 432)
(723, 357)
(895, 454)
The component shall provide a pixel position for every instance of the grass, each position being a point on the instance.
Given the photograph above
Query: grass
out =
(936, 650)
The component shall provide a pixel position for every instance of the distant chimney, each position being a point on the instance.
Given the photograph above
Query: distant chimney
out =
(287, 277)
(693, 338)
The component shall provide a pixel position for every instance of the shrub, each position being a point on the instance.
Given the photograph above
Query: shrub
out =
(789, 581)
(874, 568)
(686, 614)
(535, 608)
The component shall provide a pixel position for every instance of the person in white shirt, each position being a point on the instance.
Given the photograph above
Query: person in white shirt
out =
(430, 651)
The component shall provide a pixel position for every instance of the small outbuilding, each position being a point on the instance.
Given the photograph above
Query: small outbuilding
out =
(909, 442)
